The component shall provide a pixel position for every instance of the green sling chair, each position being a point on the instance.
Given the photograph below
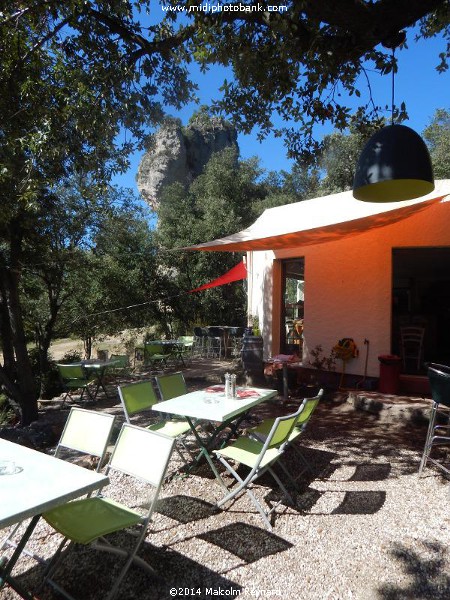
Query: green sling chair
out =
(259, 457)
(262, 430)
(140, 397)
(88, 520)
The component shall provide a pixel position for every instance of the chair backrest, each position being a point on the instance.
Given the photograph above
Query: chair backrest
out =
(236, 331)
(282, 428)
(142, 453)
(215, 331)
(171, 386)
(122, 361)
(412, 334)
(74, 371)
(439, 377)
(198, 332)
(275, 441)
(87, 431)
(154, 348)
(137, 397)
(309, 406)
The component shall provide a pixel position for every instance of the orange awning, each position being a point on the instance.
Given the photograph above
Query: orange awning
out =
(320, 220)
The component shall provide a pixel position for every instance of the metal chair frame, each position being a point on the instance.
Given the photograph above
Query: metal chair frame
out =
(438, 434)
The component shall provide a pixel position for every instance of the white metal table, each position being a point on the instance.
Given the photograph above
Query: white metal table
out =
(98, 367)
(36, 483)
(209, 405)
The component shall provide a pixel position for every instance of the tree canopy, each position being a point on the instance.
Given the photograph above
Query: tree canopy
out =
(82, 81)
(310, 55)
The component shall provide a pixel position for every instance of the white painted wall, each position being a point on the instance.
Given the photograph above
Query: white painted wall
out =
(348, 286)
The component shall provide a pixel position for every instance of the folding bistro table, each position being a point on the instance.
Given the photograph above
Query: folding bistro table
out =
(99, 367)
(211, 405)
(32, 483)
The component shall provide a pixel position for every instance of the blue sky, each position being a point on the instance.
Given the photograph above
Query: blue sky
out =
(417, 83)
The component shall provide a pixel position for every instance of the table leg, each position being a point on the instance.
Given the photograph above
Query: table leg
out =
(204, 452)
(100, 376)
(285, 382)
(6, 566)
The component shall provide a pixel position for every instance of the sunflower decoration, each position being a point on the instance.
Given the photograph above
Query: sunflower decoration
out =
(345, 349)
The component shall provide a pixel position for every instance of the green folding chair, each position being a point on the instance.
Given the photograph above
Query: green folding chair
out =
(259, 457)
(170, 386)
(140, 397)
(185, 344)
(262, 430)
(138, 453)
(154, 355)
(121, 365)
(75, 377)
(86, 432)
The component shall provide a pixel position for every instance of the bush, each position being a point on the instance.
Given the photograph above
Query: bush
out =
(7, 414)
(71, 356)
(48, 384)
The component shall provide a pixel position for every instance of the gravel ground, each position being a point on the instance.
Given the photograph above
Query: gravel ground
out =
(363, 526)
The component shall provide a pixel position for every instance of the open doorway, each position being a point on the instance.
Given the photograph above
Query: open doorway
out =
(293, 298)
(421, 298)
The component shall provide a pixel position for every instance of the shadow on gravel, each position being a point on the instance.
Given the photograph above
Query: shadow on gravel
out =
(186, 509)
(245, 541)
(87, 574)
(426, 568)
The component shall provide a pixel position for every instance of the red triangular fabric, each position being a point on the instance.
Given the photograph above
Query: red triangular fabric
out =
(235, 274)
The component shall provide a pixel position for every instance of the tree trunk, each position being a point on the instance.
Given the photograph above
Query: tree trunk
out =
(87, 343)
(44, 336)
(9, 363)
(24, 389)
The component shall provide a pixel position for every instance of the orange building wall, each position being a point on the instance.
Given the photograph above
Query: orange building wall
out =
(348, 286)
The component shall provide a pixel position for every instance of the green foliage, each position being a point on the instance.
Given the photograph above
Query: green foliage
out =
(338, 160)
(7, 415)
(322, 362)
(71, 356)
(437, 136)
(47, 379)
(219, 202)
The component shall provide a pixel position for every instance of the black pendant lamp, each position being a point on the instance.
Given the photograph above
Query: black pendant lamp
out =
(395, 163)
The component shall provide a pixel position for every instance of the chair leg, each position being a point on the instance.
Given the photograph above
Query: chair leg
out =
(8, 541)
(52, 566)
(429, 438)
(281, 486)
(244, 487)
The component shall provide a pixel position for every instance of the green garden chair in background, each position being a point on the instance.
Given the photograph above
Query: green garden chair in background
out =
(260, 457)
(185, 348)
(140, 397)
(138, 453)
(122, 365)
(154, 355)
(262, 430)
(75, 377)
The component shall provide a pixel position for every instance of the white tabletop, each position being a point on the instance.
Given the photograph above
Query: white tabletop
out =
(40, 482)
(195, 404)
(97, 363)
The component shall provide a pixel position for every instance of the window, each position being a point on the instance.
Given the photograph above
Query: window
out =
(292, 301)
